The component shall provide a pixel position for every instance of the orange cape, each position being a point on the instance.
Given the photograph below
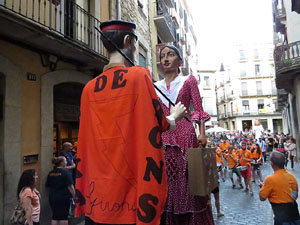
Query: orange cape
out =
(121, 175)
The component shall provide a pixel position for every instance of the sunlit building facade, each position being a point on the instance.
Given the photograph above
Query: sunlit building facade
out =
(246, 91)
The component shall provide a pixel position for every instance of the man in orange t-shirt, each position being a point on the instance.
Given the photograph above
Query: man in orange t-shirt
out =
(225, 146)
(244, 157)
(231, 158)
(220, 163)
(256, 156)
(121, 173)
(281, 189)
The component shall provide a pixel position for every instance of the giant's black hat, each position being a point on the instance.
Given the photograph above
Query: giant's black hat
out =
(117, 25)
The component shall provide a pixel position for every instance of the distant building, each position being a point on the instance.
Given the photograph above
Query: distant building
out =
(245, 89)
(206, 84)
(286, 20)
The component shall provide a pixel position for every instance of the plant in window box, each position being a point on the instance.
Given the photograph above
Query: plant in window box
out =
(56, 2)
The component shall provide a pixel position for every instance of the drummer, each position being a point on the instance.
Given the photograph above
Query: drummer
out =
(231, 158)
(220, 162)
(256, 156)
(244, 157)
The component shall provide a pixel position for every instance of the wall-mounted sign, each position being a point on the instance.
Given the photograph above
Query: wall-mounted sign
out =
(28, 159)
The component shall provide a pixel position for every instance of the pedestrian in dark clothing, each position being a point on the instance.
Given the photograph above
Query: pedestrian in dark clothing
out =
(61, 191)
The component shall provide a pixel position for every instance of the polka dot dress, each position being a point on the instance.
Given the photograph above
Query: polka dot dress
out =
(194, 209)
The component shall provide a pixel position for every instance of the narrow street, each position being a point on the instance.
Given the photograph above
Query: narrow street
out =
(240, 208)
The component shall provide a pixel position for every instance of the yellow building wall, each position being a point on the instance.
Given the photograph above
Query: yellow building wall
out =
(28, 61)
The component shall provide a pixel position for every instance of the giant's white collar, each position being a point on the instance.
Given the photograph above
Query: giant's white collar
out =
(175, 87)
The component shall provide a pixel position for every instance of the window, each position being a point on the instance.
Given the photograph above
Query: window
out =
(259, 88)
(142, 57)
(242, 55)
(260, 104)
(246, 106)
(274, 101)
(257, 70)
(142, 4)
(272, 69)
(274, 89)
(206, 82)
(256, 54)
(243, 71)
(244, 89)
(271, 51)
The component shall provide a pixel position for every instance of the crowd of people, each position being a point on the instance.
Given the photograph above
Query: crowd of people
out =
(242, 154)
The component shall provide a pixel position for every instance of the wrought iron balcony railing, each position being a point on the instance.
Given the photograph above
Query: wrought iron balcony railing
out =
(246, 113)
(162, 10)
(65, 18)
(286, 56)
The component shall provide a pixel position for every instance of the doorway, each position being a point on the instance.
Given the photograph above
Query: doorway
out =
(66, 114)
(264, 123)
(277, 125)
(247, 124)
(233, 125)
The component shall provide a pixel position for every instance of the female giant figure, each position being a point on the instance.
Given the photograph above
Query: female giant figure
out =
(181, 207)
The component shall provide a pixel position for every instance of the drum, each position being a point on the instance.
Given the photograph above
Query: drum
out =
(242, 168)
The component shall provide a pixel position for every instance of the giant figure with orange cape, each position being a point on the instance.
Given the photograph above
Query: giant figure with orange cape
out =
(121, 174)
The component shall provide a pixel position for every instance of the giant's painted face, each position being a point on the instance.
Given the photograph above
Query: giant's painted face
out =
(169, 60)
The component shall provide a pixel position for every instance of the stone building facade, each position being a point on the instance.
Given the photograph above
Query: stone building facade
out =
(245, 89)
(286, 19)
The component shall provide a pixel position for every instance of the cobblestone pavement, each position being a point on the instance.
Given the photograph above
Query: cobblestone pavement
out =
(241, 209)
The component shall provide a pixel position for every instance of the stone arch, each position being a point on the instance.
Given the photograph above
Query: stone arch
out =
(48, 81)
(11, 136)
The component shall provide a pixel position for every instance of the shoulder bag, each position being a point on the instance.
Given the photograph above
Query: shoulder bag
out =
(18, 216)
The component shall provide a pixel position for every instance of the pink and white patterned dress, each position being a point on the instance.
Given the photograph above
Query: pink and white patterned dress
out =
(179, 202)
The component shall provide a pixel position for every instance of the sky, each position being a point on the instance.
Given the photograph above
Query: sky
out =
(220, 24)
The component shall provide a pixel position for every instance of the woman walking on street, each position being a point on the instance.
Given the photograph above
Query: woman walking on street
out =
(61, 192)
(181, 207)
(291, 148)
(29, 196)
(256, 162)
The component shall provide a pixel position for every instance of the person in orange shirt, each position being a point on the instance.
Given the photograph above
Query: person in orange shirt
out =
(244, 157)
(220, 163)
(231, 158)
(281, 189)
(235, 149)
(256, 156)
(121, 175)
(225, 146)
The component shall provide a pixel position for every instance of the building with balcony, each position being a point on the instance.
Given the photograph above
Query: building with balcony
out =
(245, 89)
(171, 23)
(286, 20)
